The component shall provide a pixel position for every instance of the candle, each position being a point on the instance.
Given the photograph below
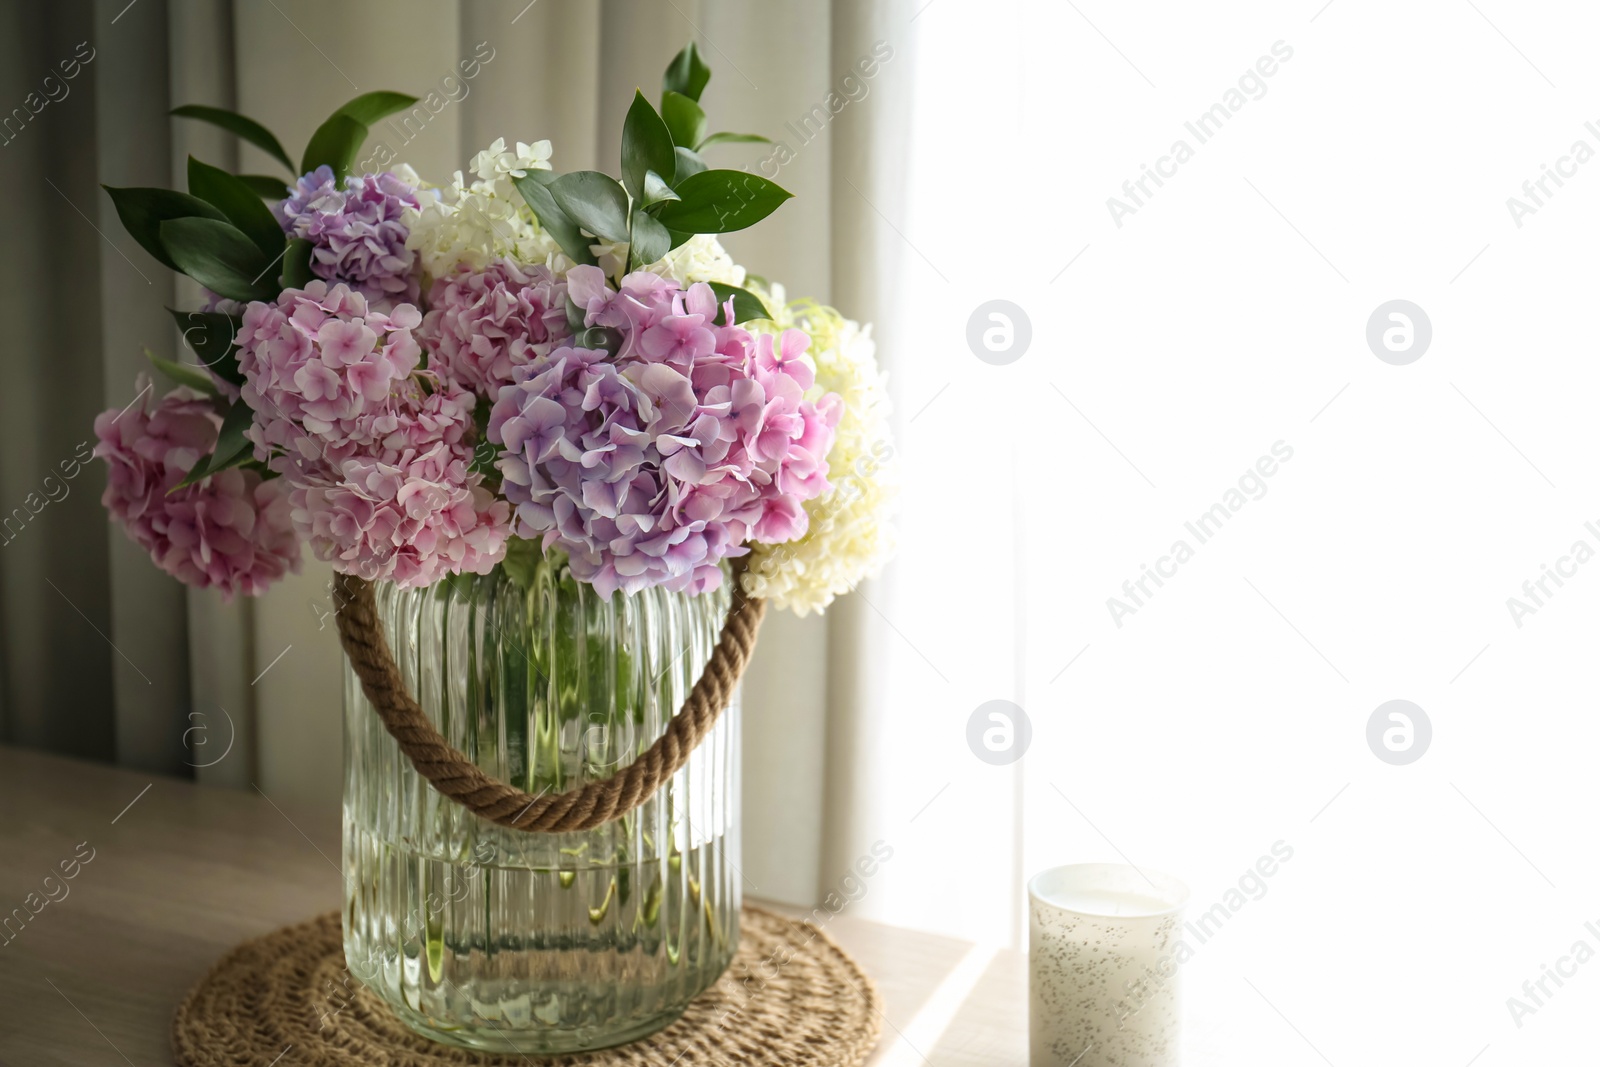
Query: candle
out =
(1102, 967)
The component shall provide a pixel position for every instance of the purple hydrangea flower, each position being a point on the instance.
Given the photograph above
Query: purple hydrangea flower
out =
(652, 466)
(357, 233)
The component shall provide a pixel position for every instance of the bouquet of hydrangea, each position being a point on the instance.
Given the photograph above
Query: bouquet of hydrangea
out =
(410, 377)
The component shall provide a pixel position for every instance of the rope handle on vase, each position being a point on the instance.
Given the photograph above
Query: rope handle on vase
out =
(590, 805)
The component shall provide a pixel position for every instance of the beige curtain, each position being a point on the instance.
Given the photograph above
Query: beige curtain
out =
(266, 675)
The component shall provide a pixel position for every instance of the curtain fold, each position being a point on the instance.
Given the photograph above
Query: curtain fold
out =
(219, 732)
(92, 655)
(864, 265)
(133, 136)
(759, 83)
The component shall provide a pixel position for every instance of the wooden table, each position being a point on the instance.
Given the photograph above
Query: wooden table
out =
(168, 875)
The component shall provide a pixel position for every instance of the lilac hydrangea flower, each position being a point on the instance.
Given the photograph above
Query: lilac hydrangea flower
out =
(358, 233)
(652, 466)
(231, 531)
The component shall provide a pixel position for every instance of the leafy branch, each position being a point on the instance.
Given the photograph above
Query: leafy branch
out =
(667, 193)
(223, 235)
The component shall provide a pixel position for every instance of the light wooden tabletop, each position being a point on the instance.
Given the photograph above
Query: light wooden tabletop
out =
(166, 876)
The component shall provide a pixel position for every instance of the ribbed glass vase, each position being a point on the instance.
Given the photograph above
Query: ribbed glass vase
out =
(518, 942)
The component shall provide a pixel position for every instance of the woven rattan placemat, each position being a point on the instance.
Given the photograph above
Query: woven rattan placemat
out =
(791, 996)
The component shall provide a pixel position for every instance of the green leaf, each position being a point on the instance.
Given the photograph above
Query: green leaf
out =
(335, 144)
(231, 439)
(687, 73)
(368, 108)
(594, 201)
(720, 201)
(655, 190)
(245, 458)
(209, 335)
(746, 305)
(646, 146)
(239, 203)
(575, 317)
(733, 138)
(232, 448)
(266, 186)
(484, 453)
(522, 561)
(685, 119)
(484, 457)
(236, 124)
(600, 339)
(679, 237)
(203, 469)
(297, 264)
(219, 257)
(196, 472)
(689, 163)
(142, 212)
(649, 240)
(183, 374)
(534, 187)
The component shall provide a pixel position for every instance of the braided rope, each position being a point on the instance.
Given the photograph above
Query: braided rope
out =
(590, 805)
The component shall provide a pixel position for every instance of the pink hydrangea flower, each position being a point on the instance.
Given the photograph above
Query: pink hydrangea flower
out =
(319, 363)
(410, 520)
(231, 532)
(652, 466)
(375, 451)
(358, 233)
(482, 324)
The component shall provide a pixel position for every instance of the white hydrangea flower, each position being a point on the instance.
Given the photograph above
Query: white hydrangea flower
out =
(408, 174)
(699, 259)
(850, 536)
(495, 163)
(475, 222)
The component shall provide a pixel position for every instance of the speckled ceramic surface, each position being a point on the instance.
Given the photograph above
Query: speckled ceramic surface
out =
(1104, 988)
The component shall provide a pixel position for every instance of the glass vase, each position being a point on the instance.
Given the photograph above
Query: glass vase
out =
(496, 939)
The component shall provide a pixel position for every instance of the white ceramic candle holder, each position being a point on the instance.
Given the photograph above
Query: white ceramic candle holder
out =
(1102, 978)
